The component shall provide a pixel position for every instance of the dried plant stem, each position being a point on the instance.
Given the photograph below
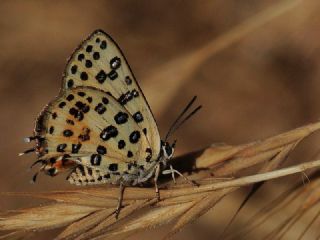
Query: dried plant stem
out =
(243, 181)
(87, 213)
(309, 225)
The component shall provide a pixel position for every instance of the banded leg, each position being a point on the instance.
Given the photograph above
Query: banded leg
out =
(172, 171)
(120, 199)
(156, 176)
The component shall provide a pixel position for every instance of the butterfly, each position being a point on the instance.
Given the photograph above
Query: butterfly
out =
(100, 127)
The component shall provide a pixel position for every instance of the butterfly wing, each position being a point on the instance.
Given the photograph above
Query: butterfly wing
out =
(89, 126)
(98, 62)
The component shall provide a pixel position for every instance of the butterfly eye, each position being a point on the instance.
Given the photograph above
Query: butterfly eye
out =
(168, 150)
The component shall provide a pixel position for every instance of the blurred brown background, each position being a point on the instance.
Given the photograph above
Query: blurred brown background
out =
(265, 83)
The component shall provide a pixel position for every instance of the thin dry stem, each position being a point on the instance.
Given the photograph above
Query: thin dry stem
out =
(87, 213)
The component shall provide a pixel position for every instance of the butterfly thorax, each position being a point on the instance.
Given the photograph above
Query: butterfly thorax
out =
(166, 153)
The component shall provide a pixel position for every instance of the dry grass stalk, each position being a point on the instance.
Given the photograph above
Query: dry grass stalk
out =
(306, 197)
(87, 213)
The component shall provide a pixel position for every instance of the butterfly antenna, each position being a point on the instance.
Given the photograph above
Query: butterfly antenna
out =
(176, 123)
(179, 117)
(186, 118)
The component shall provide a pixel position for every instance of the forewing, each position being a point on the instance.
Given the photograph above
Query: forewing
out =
(98, 62)
(89, 126)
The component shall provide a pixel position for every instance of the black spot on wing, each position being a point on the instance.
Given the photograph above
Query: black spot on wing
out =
(76, 114)
(62, 104)
(103, 44)
(70, 83)
(115, 63)
(51, 129)
(74, 69)
(113, 75)
(70, 97)
(109, 132)
(81, 94)
(85, 135)
(88, 64)
(105, 100)
(84, 76)
(113, 167)
(129, 154)
(128, 80)
(121, 117)
(73, 111)
(76, 147)
(101, 76)
(95, 159)
(67, 133)
(79, 116)
(89, 99)
(128, 96)
(80, 57)
(96, 55)
(82, 107)
(89, 48)
(54, 115)
(134, 137)
(138, 117)
(100, 108)
(61, 147)
(101, 150)
(121, 144)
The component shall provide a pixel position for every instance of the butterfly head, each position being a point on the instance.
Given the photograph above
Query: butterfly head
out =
(168, 149)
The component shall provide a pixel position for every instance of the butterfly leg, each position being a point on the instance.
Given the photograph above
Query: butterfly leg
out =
(172, 171)
(172, 174)
(119, 206)
(156, 176)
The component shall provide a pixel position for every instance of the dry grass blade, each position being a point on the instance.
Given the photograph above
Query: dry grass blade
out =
(83, 225)
(155, 217)
(87, 213)
(269, 166)
(236, 158)
(200, 207)
(73, 197)
(16, 235)
(266, 212)
(107, 223)
(308, 197)
(317, 216)
(307, 203)
(45, 217)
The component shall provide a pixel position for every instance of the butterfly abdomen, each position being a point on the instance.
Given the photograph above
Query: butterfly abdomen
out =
(83, 175)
